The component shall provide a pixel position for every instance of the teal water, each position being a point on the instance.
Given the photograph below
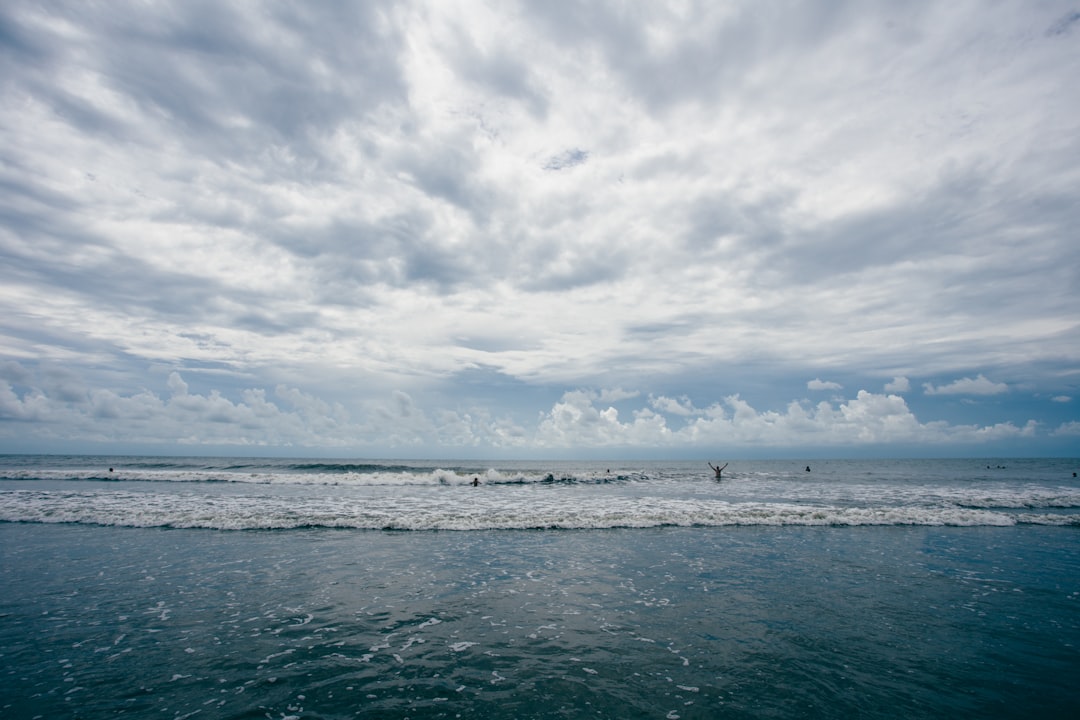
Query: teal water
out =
(669, 622)
(780, 620)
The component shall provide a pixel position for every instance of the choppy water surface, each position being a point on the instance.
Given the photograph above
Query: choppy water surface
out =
(655, 593)
(233, 493)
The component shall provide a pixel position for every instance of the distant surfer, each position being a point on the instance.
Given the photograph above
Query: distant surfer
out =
(475, 481)
(718, 470)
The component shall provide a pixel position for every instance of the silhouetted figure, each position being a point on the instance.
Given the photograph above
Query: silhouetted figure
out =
(807, 468)
(475, 481)
(718, 470)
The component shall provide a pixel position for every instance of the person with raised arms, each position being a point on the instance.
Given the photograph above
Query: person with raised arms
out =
(718, 470)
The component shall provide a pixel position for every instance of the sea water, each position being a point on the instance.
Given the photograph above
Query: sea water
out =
(255, 588)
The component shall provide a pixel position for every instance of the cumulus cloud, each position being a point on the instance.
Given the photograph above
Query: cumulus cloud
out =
(616, 394)
(674, 406)
(868, 419)
(898, 385)
(183, 417)
(818, 384)
(580, 419)
(967, 386)
(176, 384)
(1061, 398)
(575, 421)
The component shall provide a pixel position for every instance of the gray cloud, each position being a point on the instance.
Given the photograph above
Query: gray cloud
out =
(377, 201)
(1064, 24)
(967, 386)
(501, 71)
(220, 79)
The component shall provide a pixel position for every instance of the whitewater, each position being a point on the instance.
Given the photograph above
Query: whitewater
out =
(251, 493)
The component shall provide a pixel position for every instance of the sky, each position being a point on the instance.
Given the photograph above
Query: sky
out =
(540, 229)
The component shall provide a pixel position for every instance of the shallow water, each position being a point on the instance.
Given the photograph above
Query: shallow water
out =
(665, 622)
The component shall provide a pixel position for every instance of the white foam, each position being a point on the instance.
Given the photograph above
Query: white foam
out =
(408, 513)
(391, 500)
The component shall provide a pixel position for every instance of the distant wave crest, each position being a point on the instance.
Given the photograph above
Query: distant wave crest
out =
(318, 474)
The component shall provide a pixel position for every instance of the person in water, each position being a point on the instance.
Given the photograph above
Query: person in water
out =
(718, 470)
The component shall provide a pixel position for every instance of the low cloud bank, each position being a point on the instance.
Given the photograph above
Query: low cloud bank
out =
(57, 408)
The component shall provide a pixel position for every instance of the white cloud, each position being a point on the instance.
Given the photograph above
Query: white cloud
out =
(674, 406)
(869, 419)
(581, 419)
(967, 386)
(177, 385)
(1069, 429)
(574, 421)
(366, 206)
(616, 394)
(898, 385)
(1061, 399)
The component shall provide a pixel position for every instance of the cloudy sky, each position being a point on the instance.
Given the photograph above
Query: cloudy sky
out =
(532, 229)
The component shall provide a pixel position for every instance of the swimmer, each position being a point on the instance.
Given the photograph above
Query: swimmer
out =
(718, 470)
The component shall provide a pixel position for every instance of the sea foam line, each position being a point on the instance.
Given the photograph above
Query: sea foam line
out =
(471, 512)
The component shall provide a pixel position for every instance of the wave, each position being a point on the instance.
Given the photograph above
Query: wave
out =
(320, 474)
(324, 467)
(225, 512)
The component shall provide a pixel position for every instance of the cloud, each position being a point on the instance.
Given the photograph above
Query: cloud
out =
(1069, 429)
(967, 386)
(580, 420)
(346, 221)
(673, 406)
(15, 373)
(898, 385)
(1064, 24)
(1061, 399)
(188, 418)
(868, 419)
(616, 394)
(176, 384)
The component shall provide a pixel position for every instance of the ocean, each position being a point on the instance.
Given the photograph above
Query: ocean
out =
(293, 588)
